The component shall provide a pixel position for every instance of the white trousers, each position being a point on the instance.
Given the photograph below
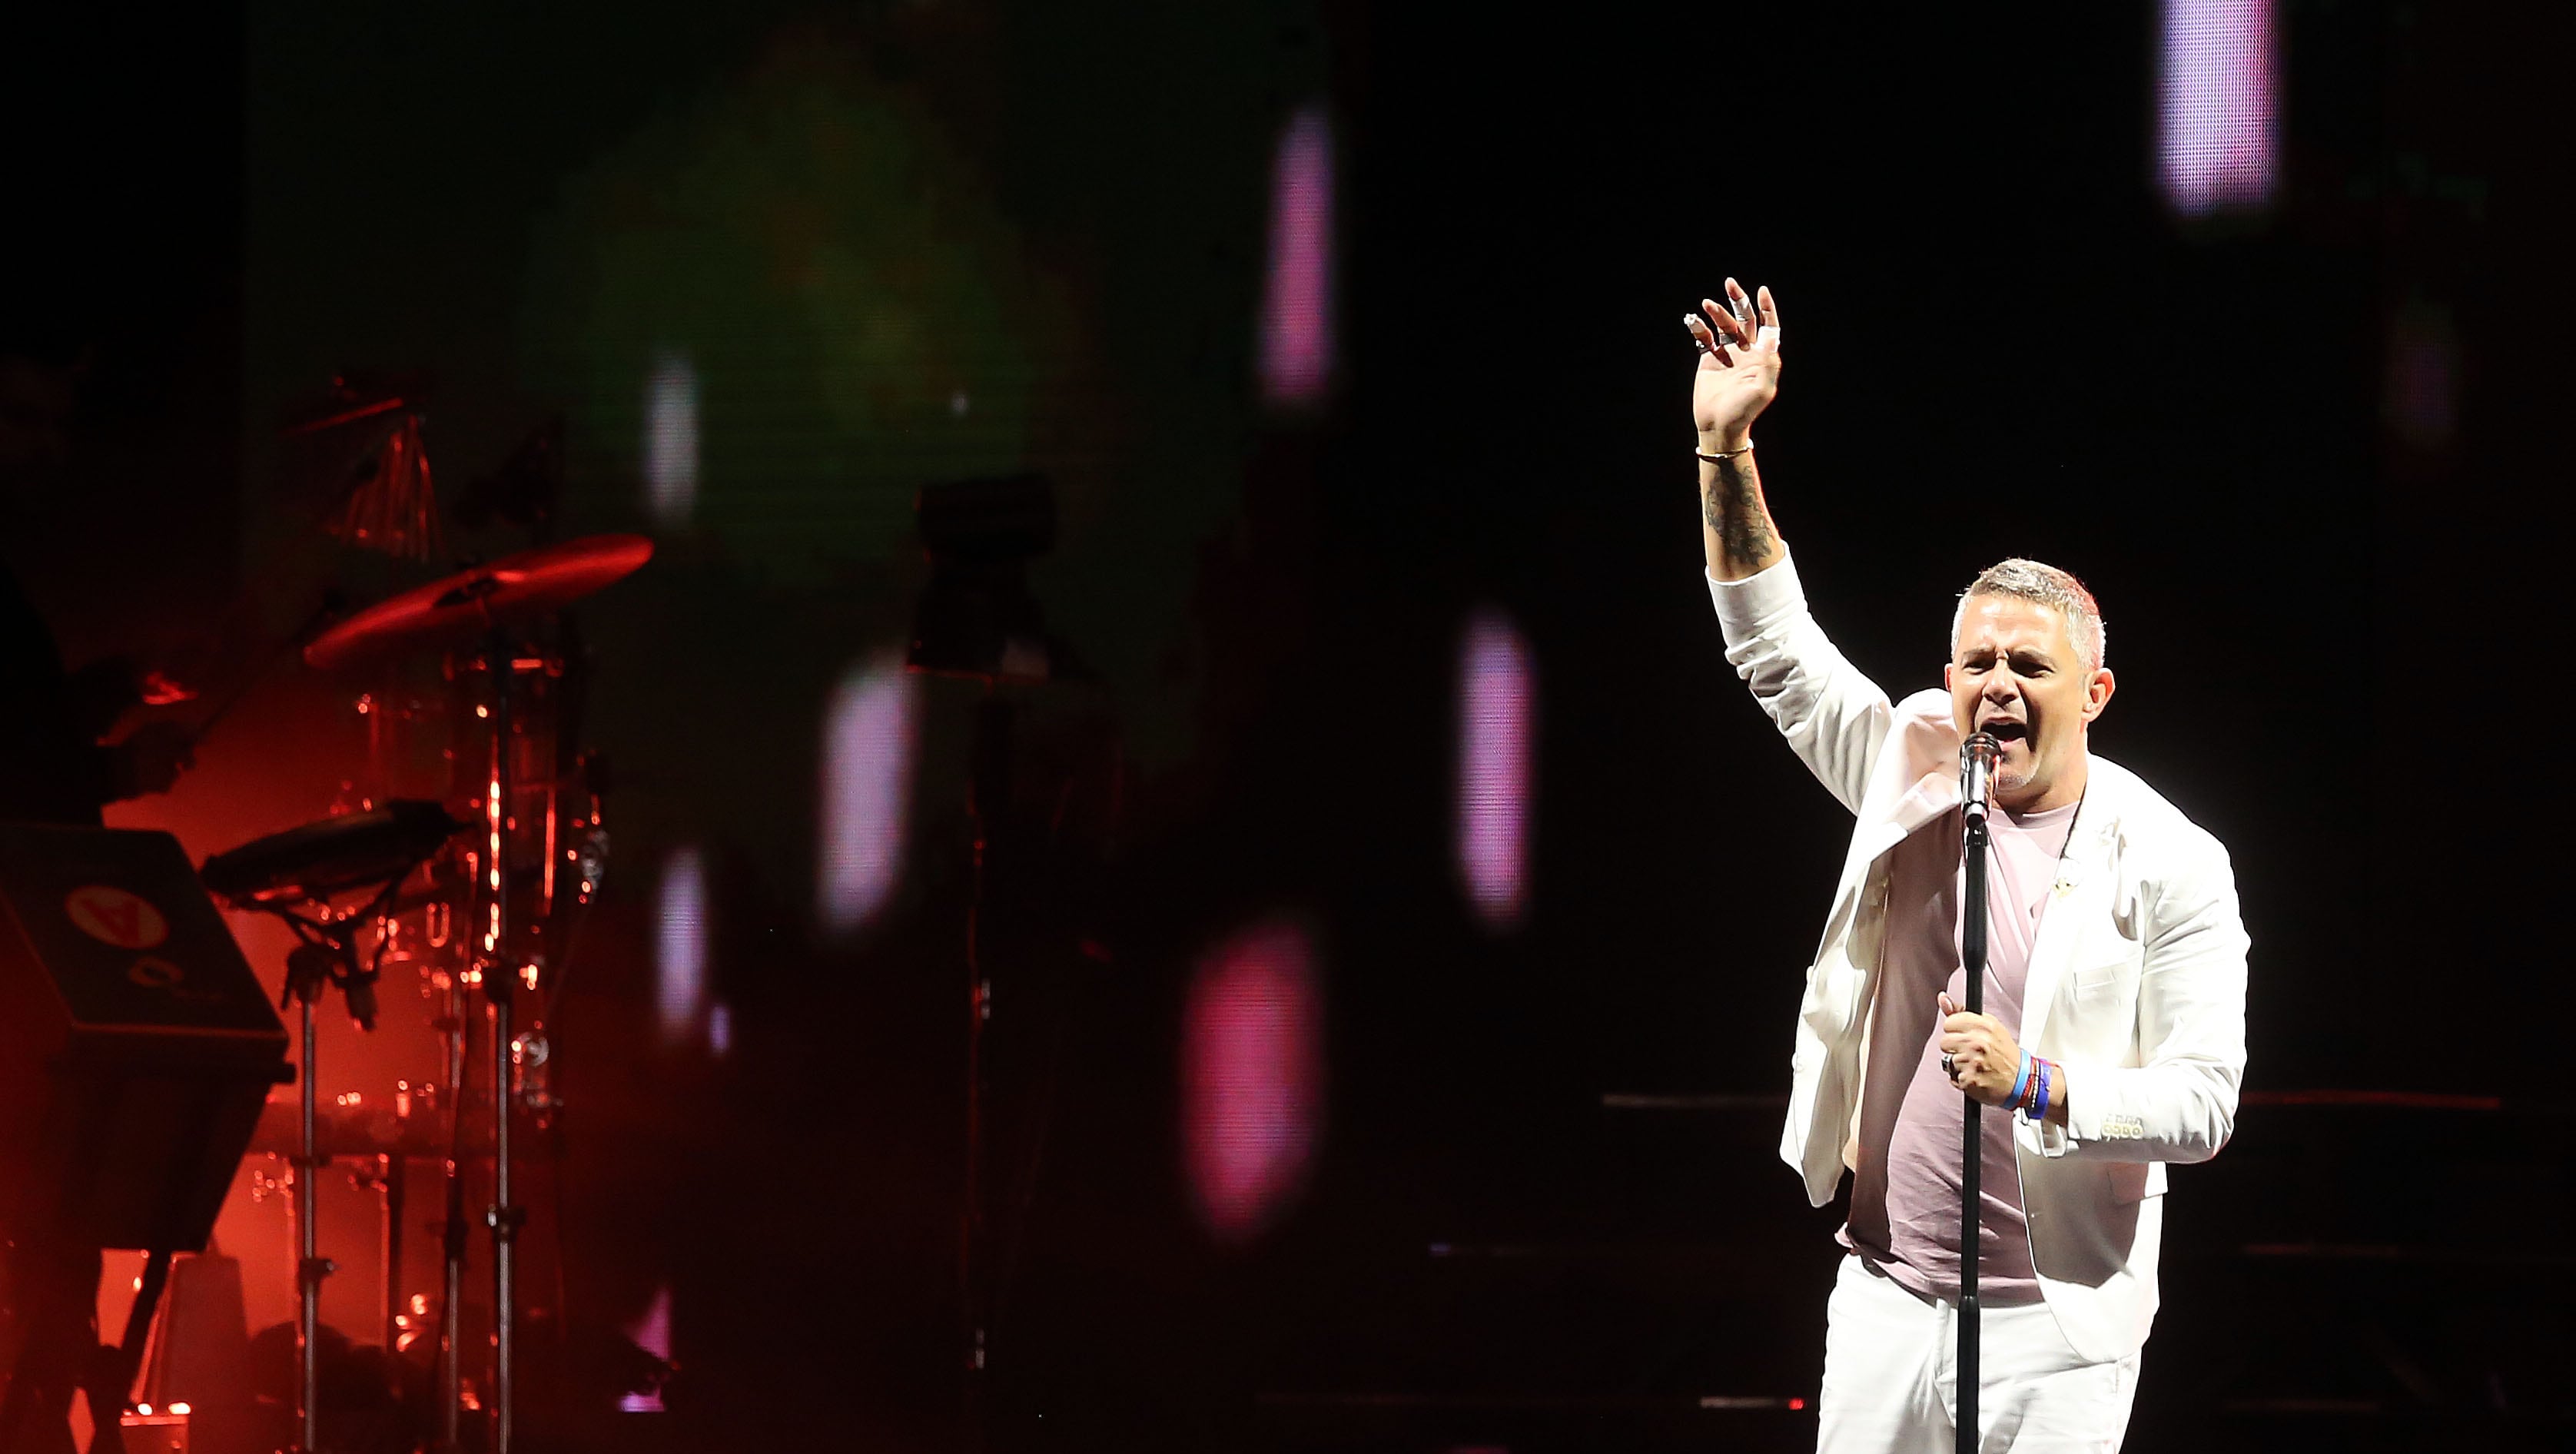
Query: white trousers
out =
(1892, 1372)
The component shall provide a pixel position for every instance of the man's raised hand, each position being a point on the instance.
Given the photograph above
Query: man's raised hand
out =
(1739, 364)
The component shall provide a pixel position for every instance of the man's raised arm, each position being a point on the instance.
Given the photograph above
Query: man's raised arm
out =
(1832, 715)
(1739, 374)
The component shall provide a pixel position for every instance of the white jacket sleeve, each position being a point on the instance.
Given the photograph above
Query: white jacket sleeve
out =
(1834, 717)
(2179, 1104)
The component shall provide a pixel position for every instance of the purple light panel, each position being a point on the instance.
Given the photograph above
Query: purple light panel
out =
(1297, 302)
(1251, 1079)
(1496, 701)
(868, 735)
(671, 441)
(680, 947)
(2219, 132)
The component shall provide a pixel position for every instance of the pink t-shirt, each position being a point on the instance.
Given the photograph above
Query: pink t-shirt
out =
(1905, 1194)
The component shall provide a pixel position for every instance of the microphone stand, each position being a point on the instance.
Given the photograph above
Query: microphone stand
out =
(328, 956)
(1975, 772)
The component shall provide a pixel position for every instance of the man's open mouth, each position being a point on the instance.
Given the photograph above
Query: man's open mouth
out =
(2006, 731)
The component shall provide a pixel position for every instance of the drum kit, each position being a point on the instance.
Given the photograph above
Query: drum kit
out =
(483, 902)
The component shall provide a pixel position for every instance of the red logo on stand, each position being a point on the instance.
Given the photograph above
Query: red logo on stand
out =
(110, 915)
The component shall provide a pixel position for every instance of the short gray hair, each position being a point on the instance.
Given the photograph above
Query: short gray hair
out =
(2029, 580)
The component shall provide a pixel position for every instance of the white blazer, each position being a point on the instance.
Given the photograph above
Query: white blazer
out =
(2136, 986)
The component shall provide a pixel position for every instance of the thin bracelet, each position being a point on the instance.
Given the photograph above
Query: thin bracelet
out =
(1724, 454)
(2021, 1082)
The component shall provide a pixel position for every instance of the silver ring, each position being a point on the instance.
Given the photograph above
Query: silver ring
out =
(1949, 1066)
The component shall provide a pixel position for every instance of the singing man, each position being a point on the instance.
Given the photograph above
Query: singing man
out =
(2114, 1035)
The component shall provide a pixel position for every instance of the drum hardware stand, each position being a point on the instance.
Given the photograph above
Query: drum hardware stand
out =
(504, 1216)
(452, 1234)
(327, 957)
(479, 603)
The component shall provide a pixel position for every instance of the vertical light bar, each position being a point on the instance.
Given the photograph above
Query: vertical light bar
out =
(2219, 96)
(1252, 1074)
(671, 441)
(868, 733)
(1496, 702)
(680, 947)
(1297, 299)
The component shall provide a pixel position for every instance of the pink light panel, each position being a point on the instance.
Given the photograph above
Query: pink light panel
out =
(868, 738)
(652, 1333)
(680, 947)
(1251, 1079)
(1297, 300)
(1496, 702)
(671, 441)
(2219, 90)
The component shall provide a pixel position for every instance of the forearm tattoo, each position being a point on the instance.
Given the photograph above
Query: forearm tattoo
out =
(1732, 507)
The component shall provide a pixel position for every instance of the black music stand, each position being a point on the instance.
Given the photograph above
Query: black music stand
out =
(136, 1048)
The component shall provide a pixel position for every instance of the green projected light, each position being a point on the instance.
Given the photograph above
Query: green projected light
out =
(801, 282)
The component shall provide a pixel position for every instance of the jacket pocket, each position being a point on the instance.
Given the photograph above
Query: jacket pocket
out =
(2127, 1181)
(2106, 978)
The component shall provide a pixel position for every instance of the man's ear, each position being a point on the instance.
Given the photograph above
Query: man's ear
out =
(1949, 671)
(2097, 694)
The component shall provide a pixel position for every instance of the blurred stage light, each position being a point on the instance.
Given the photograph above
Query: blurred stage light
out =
(720, 1029)
(1297, 302)
(680, 945)
(1252, 1070)
(2423, 387)
(671, 441)
(652, 1333)
(868, 733)
(1495, 703)
(2218, 99)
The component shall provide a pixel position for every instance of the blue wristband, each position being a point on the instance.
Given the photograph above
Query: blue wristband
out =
(2021, 1082)
(2041, 1114)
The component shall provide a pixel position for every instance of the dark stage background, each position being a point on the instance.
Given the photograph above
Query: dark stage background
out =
(2310, 454)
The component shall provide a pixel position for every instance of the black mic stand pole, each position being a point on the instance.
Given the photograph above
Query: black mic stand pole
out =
(500, 968)
(1972, 957)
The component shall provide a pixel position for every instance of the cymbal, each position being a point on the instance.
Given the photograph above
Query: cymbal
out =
(463, 606)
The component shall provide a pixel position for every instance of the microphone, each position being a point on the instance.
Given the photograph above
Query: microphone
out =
(1977, 758)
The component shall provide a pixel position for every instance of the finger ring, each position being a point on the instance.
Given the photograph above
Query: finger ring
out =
(1949, 1067)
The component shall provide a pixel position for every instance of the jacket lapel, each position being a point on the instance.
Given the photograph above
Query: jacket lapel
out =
(2080, 895)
